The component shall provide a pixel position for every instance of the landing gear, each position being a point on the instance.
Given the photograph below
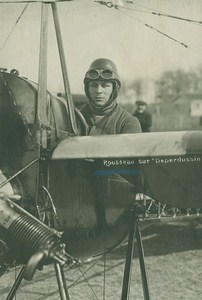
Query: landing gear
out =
(134, 234)
(16, 285)
(56, 255)
(60, 276)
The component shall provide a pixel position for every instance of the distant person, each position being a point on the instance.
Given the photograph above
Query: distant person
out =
(143, 115)
(102, 113)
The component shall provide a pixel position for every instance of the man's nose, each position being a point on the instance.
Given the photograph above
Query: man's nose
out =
(99, 88)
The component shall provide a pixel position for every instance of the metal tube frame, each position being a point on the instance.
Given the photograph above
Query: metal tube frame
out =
(68, 94)
(16, 284)
(134, 233)
(42, 91)
(60, 276)
(59, 272)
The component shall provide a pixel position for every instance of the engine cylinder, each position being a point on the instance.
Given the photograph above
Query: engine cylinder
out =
(24, 234)
(30, 236)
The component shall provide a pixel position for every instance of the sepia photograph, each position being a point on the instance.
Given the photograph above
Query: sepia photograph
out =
(100, 149)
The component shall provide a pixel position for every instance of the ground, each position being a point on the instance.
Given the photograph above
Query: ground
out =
(173, 255)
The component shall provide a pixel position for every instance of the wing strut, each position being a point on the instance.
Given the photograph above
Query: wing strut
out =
(42, 75)
(68, 95)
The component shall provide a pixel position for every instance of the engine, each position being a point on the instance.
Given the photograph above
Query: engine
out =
(23, 238)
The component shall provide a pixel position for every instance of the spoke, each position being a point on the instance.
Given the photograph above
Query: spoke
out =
(88, 283)
(104, 265)
(83, 273)
(104, 277)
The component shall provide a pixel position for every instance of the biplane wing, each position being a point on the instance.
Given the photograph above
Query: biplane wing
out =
(169, 162)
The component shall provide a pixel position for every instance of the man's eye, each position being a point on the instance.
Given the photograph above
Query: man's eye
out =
(92, 85)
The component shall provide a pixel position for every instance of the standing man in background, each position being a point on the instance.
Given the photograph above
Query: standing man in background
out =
(144, 117)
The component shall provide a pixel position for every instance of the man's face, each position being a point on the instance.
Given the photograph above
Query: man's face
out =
(141, 108)
(100, 91)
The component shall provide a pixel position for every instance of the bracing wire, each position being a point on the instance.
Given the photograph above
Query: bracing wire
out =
(159, 13)
(16, 22)
(88, 284)
(83, 273)
(176, 17)
(104, 277)
(109, 4)
(166, 35)
(155, 29)
(104, 261)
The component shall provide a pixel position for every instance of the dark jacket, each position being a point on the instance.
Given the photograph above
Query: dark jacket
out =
(145, 119)
(118, 121)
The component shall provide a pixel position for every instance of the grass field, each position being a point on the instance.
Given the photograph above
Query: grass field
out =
(173, 255)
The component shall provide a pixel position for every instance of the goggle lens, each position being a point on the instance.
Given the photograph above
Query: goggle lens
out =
(93, 74)
(104, 74)
(107, 74)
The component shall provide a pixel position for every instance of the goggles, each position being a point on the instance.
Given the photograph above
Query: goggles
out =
(100, 73)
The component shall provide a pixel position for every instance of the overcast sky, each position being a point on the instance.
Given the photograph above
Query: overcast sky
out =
(91, 30)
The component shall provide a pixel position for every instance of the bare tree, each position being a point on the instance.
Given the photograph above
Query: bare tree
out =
(137, 86)
(172, 84)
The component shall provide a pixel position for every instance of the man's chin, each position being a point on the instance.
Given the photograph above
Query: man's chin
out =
(99, 104)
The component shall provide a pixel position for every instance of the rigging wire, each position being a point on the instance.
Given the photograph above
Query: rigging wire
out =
(104, 277)
(176, 17)
(104, 264)
(88, 283)
(166, 35)
(155, 29)
(83, 273)
(109, 4)
(148, 10)
(160, 14)
(145, 7)
(17, 21)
